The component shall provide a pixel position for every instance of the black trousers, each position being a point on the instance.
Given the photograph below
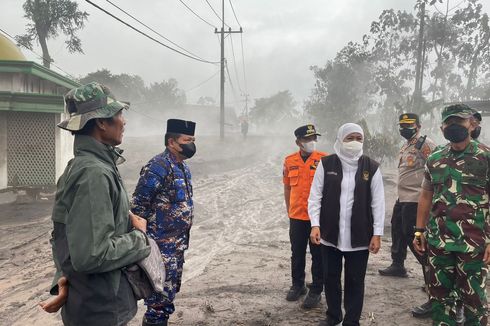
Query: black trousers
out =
(299, 235)
(355, 263)
(403, 221)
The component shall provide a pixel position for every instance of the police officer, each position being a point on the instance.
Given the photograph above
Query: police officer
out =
(299, 169)
(413, 155)
(476, 133)
(163, 196)
(453, 220)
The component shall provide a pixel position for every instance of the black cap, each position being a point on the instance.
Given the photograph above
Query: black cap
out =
(409, 118)
(177, 126)
(306, 131)
(477, 115)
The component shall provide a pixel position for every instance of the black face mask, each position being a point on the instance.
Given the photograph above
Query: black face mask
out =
(455, 133)
(188, 150)
(408, 133)
(476, 133)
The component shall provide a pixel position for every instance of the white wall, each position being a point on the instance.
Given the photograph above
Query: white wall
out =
(64, 147)
(3, 150)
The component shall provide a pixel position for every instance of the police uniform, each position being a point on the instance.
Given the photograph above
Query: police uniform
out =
(163, 196)
(411, 162)
(298, 174)
(458, 229)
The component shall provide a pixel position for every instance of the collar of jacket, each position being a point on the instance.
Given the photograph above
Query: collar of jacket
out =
(471, 148)
(104, 152)
(171, 156)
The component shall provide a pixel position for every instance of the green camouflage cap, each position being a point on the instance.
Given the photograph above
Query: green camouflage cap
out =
(89, 102)
(457, 110)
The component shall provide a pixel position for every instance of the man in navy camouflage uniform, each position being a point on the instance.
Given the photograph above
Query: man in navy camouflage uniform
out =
(163, 196)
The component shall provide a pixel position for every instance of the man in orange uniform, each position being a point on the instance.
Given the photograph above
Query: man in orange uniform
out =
(299, 169)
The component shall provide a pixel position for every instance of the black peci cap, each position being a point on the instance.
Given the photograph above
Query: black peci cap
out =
(177, 126)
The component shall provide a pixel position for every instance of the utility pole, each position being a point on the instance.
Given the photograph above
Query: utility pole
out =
(246, 103)
(222, 79)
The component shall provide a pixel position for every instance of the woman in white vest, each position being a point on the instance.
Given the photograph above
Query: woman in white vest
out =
(347, 208)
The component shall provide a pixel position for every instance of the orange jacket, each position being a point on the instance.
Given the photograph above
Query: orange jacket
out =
(299, 175)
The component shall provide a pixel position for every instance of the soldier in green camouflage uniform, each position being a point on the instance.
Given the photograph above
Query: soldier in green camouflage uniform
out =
(455, 192)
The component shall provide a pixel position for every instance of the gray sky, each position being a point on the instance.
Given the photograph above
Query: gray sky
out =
(282, 39)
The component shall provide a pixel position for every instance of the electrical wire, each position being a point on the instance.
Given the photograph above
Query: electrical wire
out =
(234, 14)
(154, 31)
(231, 83)
(221, 20)
(148, 36)
(234, 64)
(203, 82)
(243, 64)
(196, 14)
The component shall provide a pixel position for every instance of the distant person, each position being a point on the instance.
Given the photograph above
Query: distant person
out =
(347, 208)
(413, 155)
(92, 237)
(163, 196)
(475, 134)
(453, 225)
(299, 169)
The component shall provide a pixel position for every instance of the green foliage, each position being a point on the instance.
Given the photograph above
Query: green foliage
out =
(47, 18)
(342, 88)
(159, 96)
(377, 77)
(276, 108)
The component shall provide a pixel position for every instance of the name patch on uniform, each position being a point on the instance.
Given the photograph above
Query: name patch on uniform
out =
(331, 173)
(365, 175)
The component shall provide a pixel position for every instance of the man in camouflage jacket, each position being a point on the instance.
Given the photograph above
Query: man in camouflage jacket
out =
(453, 223)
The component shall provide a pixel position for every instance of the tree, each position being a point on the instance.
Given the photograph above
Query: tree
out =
(158, 96)
(343, 88)
(165, 95)
(473, 50)
(273, 109)
(47, 19)
(123, 86)
(206, 100)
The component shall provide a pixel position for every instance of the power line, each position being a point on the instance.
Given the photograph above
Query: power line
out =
(154, 31)
(234, 14)
(203, 82)
(148, 36)
(231, 83)
(38, 55)
(216, 13)
(234, 64)
(243, 65)
(196, 14)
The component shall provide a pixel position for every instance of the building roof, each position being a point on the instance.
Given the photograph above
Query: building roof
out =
(32, 68)
(9, 51)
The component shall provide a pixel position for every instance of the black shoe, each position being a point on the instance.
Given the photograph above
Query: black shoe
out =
(422, 311)
(394, 270)
(295, 292)
(156, 323)
(329, 322)
(312, 300)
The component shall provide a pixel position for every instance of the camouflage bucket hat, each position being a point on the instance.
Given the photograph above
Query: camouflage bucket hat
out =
(89, 102)
(457, 110)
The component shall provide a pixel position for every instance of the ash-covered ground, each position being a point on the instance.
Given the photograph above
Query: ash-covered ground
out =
(237, 269)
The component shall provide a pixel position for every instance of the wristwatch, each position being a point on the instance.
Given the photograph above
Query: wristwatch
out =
(416, 229)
